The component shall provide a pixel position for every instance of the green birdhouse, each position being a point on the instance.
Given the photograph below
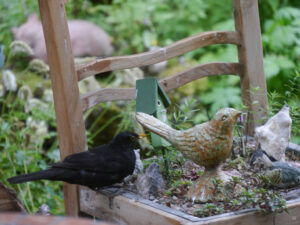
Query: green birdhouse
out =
(152, 99)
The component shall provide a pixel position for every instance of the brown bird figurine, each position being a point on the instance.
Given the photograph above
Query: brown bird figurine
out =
(206, 144)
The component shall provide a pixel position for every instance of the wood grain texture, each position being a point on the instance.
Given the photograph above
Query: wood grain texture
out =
(25, 219)
(251, 56)
(9, 201)
(152, 57)
(200, 71)
(69, 117)
(123, 210)
(129, 211)
(209, 69)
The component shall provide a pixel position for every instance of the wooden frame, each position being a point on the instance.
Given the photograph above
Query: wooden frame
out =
(64, 76)
(69, 116)
(131, 209)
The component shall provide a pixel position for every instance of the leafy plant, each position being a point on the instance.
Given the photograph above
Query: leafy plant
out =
(20, 153)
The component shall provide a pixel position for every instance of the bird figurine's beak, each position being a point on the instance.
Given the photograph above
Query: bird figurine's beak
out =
(142, 135)
(238, 114)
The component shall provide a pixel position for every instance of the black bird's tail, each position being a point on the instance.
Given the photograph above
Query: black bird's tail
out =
(44, 174)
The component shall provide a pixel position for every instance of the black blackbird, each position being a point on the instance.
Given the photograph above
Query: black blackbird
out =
(97, 167)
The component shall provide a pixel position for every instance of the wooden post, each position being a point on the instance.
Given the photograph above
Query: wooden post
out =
(253, 81)
(69, 117)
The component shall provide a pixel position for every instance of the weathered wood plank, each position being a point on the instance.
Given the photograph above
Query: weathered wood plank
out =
(132, 210)
(106, 94)
(69, 117)
(200, 71)
(123, 210)
(152, 57)
(9, 201)
(251, 56)
(209, 69)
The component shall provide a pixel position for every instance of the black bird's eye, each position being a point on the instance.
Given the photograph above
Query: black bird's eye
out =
(133, 138)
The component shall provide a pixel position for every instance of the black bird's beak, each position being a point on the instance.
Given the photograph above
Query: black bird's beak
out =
(141, 135)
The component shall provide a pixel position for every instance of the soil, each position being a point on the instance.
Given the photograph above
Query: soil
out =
(247, 190)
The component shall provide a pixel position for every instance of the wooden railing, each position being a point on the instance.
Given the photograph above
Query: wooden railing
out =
(159, 55)
(210, 69)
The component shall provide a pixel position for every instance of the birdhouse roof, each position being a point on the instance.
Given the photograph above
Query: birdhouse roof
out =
(163, 95)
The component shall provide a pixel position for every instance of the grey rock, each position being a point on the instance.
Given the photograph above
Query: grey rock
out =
(151, 182)
(274, 136)
(280, 174)
(292, 194)
(294, 148)
(283, 175)
(43, 210)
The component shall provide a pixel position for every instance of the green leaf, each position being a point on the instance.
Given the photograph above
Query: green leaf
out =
(20, 157)
(221, 97)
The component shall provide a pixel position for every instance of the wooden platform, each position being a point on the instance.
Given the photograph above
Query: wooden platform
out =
(128, 208)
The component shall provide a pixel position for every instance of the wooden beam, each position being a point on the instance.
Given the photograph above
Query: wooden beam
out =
(209, 69)
(200, 71)
(162, 54)
(132, 209)
(70, 125)
(253, 81)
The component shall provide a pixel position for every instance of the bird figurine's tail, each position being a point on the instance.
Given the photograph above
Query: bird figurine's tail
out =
(156, 126)
(44, 174)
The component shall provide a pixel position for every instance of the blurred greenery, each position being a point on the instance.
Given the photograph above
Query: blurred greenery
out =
(135, 26)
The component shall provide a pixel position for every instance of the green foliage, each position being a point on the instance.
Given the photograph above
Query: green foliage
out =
(281, 38)
(238, 196)
(136, 25)
(14, 13)
(20, 153)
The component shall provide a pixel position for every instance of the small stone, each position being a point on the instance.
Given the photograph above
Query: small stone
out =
(43, 210)
(292, 194)
(150, 183)
(174, 198)
(151, 197)
(274, 136)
